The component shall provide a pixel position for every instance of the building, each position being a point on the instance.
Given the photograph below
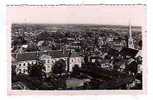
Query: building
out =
(52, 56)
(48, 57)
(130, 40)
(75, 59)
(118, 43)
(22, 61)
(47, 62)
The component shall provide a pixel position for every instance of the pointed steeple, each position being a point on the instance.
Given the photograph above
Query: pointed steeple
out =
(130, 39)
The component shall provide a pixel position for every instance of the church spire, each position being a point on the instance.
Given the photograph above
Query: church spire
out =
(130, 39)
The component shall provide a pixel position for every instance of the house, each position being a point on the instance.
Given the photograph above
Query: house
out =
(22, 61)
(50, 57)
(75, 59)
(47, 62)
(117, 43)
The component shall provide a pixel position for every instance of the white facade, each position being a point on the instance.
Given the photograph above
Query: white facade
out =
(75, 61)
(22, 66)
(48, 63)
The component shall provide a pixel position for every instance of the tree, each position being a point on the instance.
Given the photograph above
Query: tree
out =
(36, 70)
(75, 70)
(59, 67)
(19, 41)
(13, 73)
(97, 63)
(36, 75)
(44, 36)
(32, 47)
(140, 44)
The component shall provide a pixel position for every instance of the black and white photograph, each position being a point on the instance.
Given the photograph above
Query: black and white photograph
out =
(102, 52)
(76, 57)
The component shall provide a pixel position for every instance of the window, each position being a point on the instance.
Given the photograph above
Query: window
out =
(48, 61)
(19, 70)
(19, 64)
(72, 60)
(24, 70)
(28, 63)
(45, 69)
(24, 64)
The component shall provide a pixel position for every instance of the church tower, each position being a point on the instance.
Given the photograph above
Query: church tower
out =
(130, 39)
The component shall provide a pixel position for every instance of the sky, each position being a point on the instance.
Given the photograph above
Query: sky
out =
(116, 15)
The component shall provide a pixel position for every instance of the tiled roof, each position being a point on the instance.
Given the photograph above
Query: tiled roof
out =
(34, 55)
(27, 56)
(58, 54)
(129, 52)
